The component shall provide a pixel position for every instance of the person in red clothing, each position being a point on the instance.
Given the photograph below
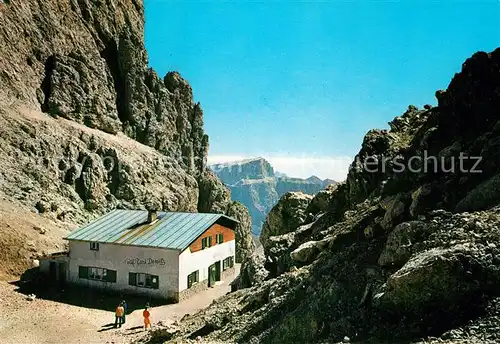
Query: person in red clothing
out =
(146, 315)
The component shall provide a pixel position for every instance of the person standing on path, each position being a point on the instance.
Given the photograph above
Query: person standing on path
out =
(146, 315)
(124, 304)
(119, 312)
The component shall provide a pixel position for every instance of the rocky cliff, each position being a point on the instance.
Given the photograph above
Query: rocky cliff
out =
(405, 251)
(87, 126)
(85, 61)
(254, 183)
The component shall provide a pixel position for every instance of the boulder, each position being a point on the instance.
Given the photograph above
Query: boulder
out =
(321, 201)
(439, 276)
(252, 271)
(286, 216)
(40, 229)
(394, 207)
(481, 197)
(306, 252)
(418, 199)
(399, 245)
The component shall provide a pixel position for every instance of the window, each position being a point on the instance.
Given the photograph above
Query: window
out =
(219, 238)
(227, 263)
(97, 274)
(193, 278)
(143, 280)
(94, 246)
(206, 242)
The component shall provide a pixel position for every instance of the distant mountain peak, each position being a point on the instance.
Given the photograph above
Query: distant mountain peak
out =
(234, 171)
(238, 162)
(314, 179)
(329, 181)
(250, 160)
(278, 174)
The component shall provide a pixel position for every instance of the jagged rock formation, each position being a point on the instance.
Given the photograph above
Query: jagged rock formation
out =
(286, 227)
(252, 271)
(64, 170)
(286, 216)
(245, 245)
(401, 254)
(254, 183)
(87, 126)
(213, 194)
(86, 61)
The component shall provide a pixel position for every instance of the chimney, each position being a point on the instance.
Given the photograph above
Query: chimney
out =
(152, 215)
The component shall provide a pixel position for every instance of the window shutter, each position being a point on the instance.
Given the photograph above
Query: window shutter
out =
(132, 278)
(221, 238)
(190, 281)
(83, 272)
(209, 241)
(155, 282)
(203, 243)
(111, 276)
(197, 276)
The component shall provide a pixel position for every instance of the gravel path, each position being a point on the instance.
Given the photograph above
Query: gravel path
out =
(50, 322)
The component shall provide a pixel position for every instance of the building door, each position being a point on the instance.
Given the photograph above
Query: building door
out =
(213, 274)
(52, 271)
(62, 272)
(217, 271)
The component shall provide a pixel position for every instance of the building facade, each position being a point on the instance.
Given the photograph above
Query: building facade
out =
(164, 255)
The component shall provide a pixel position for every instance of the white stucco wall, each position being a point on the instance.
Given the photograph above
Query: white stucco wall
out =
(124, 259)
(201, 260)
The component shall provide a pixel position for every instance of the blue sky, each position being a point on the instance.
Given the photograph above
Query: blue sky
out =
(301, 83)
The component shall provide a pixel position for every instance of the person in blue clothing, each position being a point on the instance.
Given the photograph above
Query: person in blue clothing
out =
(124, 304)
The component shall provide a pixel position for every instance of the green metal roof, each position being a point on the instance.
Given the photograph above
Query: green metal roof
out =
(130, 227)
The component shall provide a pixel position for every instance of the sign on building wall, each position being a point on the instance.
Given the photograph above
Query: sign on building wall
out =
(135, 261)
